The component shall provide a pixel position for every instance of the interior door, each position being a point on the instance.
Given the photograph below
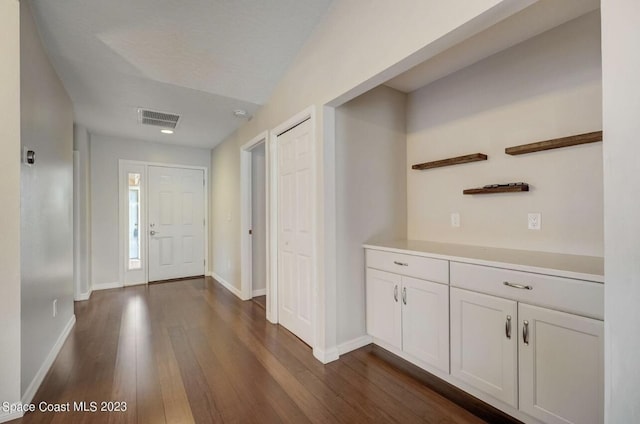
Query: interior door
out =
(295, 239)
(176, 223)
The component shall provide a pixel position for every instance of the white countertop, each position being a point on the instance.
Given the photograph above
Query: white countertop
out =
(589, 268)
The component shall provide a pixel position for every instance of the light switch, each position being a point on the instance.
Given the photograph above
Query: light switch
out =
(455, 219)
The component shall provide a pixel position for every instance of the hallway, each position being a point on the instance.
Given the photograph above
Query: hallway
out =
(190, 351)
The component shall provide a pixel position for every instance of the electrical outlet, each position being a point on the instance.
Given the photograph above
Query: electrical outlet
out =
(455, 219)
(55, 307)
(534, 221)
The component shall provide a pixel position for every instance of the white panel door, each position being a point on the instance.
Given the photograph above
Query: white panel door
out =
(425, 321)
(384, 311)
(176, 223)
(561, 366)
(484, 344)
(295, 238)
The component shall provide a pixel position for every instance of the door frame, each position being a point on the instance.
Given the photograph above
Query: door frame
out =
(246, 214)
(123, 213)
(272, 220)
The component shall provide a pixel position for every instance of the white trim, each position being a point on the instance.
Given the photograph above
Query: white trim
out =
(246, 269)
(77, 293)
(46, 365)
(224, 283)
(83, 296)
(326, 356)
(354, 344)
(259, 292)
(208, 274)
(10, 416)
(107, 286)
(272, 230)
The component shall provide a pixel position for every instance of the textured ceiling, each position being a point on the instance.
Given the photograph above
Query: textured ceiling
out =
(200, 59)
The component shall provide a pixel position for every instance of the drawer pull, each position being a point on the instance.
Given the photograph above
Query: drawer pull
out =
(517, 286)
(525, 332)
(507, 327)
(401, 263)
(395, 293)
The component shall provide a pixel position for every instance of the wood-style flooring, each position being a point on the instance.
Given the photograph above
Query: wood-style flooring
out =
(191, 352)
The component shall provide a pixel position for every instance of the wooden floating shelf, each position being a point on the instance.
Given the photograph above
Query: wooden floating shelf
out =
(555, 143)
(451, 161)
(503, 189)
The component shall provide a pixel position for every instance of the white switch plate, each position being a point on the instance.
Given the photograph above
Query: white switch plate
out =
(534, 221)
(455, 219)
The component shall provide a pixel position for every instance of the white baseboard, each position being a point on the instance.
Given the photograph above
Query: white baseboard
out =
(107, 286)
(208, 274)
(259, 292)
(83, 296)
(354, 344)
(326, 356)
(227, 285)
(138, 283)
(6, 416)
(51, 357)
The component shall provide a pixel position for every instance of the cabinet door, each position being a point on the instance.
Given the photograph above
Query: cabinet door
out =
(484, 343)
(384, 315)
(561, 366)
(425, 321)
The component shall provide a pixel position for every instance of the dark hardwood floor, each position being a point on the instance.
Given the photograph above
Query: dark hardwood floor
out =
(261, 301)
(190, 351)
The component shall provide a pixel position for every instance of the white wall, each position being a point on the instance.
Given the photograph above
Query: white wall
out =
(358, 45)
(547, 87)
(621, 106)
(259, 217)
(10, 198)
(46, 203)
(105, 155)
(371, 197)
(82, 214)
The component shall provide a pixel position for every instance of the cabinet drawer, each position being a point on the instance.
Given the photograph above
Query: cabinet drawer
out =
(436, 270)
(564, 294)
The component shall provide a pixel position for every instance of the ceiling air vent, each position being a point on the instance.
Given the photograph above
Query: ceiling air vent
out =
(158, 119)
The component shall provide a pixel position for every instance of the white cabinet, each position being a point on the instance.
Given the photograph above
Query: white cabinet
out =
(561, 366)
(425, 321)
(540, 364)
(484, 348)
(409, 314)
(549, 364)
(384, 314)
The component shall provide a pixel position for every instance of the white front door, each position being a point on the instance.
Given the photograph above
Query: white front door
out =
(295, 239)
(176, 223)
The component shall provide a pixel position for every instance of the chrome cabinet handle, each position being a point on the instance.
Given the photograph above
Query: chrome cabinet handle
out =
(404, 295)
(525, 332)
(395, 293)
(401, 263)
(517, 286)
(507, 327)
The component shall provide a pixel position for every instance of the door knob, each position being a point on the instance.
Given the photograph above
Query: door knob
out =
(153, 233)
